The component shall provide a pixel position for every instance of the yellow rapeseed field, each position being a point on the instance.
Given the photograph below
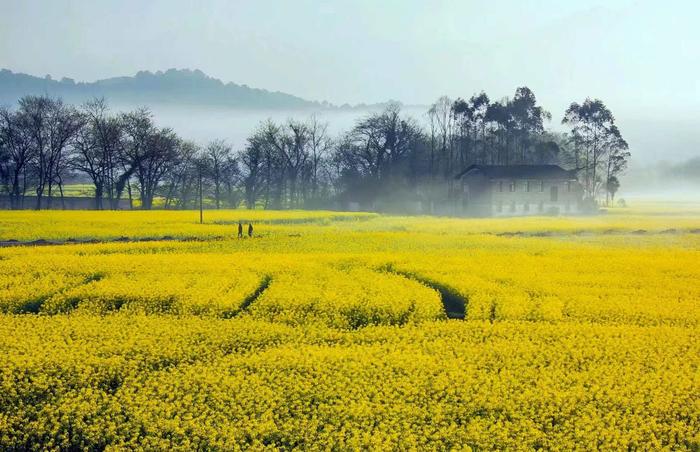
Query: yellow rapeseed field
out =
(332, 330)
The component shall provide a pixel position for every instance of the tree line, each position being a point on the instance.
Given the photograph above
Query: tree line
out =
(385, 159)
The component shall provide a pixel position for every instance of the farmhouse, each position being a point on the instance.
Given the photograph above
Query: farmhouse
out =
(516, 190)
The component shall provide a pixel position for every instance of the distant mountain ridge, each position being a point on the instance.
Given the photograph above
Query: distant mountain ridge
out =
(174, 86)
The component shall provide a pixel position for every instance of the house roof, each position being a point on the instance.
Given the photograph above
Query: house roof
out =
(519, 172)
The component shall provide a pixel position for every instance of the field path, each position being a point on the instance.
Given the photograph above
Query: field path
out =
(44, 242)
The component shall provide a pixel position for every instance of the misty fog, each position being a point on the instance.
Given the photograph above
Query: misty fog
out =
(657, 147)
(640, 57)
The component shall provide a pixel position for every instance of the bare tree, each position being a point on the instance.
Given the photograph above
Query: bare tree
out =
(232, 178)
(158, 160)
(51, 125)
(274, 144)
(34, 112)
(138, 128)
(295, 155)
(97, 149)
(16, 155)
(217, 154)
(252, 159)
(442, 117)
(374, 154)
(182, 179)
(320, 145)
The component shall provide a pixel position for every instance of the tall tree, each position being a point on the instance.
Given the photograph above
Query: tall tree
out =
(182, 179)
(158, 160)
(232, 179)
(218, 155)
(611, 186)
(34, 111)
(374, 154)
(138, 128)
(594, 131)
(441, 114)
(98, 150)
(51, 125)
(16, 154)
(320, 145)
(252, 159)
(617, 158)
(528, 123)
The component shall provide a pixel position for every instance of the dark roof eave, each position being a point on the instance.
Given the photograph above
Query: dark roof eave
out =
(520, 172)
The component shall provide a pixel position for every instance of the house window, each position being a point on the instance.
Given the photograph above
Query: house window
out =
(541, 206)
(512, 185)
(512, 206)
(500, 186)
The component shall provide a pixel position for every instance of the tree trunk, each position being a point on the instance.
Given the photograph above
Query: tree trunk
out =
(131, 196)
(98, 198)
(63, 199)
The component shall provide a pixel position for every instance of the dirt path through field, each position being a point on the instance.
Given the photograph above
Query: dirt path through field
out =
(44, 242)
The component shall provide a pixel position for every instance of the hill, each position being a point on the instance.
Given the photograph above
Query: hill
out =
(174, 86)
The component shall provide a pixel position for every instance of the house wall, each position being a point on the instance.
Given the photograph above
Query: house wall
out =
(480, 196)
(513, 198)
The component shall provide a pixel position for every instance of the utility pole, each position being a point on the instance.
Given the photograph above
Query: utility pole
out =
(201, 206)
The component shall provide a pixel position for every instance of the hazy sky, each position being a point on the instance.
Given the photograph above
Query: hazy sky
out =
(642, 57)
(633, 54)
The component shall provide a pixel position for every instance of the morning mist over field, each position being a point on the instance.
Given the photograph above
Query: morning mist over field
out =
(639, 57)
(675, 144)
(190, 102)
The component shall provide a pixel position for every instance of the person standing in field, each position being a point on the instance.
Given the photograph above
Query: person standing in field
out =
(250, 230)
(240, 230)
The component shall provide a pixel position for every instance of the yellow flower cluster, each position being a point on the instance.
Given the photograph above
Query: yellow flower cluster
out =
(107, 225)
(328, 330)
(284, 290)
(155, 382)
(27, 225)
(577, 283)
(149, 283)
(345, 298)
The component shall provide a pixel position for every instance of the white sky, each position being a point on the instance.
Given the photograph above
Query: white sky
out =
(633, 52)
(641, 57)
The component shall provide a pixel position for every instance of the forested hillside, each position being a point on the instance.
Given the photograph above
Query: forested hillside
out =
(172, 86)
